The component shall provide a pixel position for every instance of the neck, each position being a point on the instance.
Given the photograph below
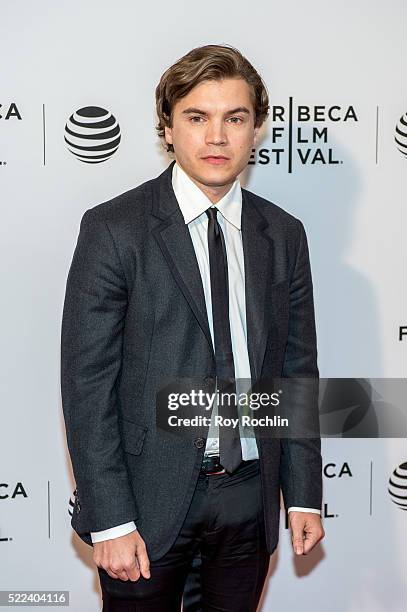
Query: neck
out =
(213, 192)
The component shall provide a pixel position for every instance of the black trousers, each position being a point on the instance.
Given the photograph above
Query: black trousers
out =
(225, 523)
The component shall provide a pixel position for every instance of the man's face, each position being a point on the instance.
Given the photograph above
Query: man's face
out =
(216, 118)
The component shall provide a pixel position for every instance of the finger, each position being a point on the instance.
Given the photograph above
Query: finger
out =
(309, 542)
(118, 570)
(111, 574)
(123, 575)
(298, 542)
(144, 562)
(133, 570)
(311, 539)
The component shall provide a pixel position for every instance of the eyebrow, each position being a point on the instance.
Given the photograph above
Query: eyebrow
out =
(238, 109)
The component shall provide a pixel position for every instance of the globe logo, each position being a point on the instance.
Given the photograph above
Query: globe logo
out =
(398, 486)
(92, 134)
(401, 135)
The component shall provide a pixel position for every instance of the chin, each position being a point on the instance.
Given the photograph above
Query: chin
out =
(214, 170)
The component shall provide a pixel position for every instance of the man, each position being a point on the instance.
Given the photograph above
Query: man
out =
(188, 275)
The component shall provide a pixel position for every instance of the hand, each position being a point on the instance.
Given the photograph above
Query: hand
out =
(306, 531)
(124, 557)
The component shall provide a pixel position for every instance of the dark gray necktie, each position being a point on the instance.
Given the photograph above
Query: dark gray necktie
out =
(230, 450)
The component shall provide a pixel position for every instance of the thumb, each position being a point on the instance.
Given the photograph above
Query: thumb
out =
(144, 562)
(298, 542)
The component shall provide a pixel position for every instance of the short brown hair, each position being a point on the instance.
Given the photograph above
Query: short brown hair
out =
(211, 62)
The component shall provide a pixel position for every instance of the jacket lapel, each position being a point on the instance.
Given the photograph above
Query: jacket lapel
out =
(257, 249)
(173, 237)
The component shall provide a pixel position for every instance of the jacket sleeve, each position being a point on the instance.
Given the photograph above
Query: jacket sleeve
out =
(91, 344)
(300, 461)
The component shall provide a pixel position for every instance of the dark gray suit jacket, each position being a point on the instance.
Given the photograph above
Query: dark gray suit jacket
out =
(134, 313)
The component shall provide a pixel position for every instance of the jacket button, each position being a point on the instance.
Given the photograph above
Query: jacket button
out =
(199, 442)
(209, 379)
(78, 507)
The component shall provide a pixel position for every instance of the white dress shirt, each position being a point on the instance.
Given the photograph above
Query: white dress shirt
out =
(193, 204)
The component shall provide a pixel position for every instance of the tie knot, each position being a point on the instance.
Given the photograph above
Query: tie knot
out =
(211, 212)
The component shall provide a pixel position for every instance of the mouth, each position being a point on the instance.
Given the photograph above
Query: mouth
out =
(216, 159)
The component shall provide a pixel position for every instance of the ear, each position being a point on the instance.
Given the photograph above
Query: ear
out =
(168, 134)
(256, 135)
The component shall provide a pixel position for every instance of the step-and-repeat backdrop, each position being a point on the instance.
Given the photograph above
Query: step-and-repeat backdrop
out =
(333, 153)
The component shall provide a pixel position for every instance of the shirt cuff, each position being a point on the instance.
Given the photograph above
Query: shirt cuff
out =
(113, 532)
(298, 509)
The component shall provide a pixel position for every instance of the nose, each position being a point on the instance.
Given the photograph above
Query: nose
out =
(215, 133)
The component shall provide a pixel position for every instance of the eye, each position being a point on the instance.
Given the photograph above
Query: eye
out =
(239, 119)
(196, 117)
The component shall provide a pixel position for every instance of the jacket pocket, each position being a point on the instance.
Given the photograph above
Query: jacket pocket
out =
(133, 436)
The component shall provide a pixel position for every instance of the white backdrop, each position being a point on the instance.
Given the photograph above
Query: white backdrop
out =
(57, 58)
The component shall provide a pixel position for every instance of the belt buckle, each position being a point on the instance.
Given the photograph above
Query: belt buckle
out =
(211, 462)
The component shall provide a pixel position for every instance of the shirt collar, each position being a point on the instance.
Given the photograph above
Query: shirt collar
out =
(193, 202)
